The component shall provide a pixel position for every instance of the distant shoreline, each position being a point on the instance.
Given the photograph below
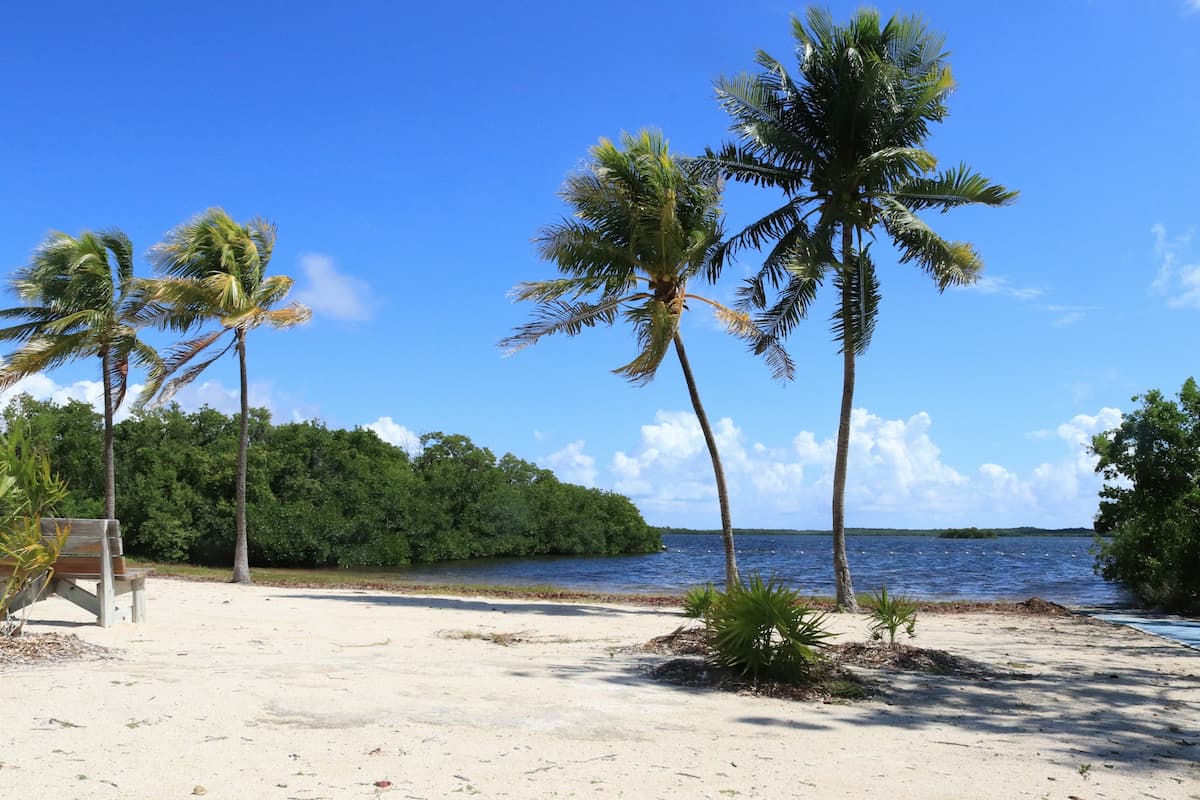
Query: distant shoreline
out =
(931, 532)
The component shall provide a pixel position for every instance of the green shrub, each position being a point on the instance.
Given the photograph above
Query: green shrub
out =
(28, 490)
(763, 630)
(1150, 503)
(891, 613)
(699, 600)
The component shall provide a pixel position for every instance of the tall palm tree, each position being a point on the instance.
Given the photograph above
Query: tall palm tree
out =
(844, 143)
(215, 269)
(80, 302)
(645, 224)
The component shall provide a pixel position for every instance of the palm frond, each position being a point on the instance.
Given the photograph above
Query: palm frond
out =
(272, 290)
(655, 324)
(740, 324)
(948, 263)
(562, 317)
(853, 323)
(951, 188)
(189, 375)
(287, 317)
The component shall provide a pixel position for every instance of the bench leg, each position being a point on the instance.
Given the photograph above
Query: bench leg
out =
(66, 589)
(138, 586)
(106, 592)
(20, 600)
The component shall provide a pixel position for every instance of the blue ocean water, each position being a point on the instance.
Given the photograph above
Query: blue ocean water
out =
(1058, 569)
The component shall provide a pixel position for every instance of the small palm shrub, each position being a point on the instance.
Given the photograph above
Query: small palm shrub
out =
(699, 600)
(890, 613)
(764, 630)
(28, 489)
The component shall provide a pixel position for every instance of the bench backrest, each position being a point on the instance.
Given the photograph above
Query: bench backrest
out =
(85, 546)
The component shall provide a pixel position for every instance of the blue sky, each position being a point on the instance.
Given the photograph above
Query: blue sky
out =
(408, 154)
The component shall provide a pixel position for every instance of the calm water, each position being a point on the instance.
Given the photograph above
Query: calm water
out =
(1055, 569)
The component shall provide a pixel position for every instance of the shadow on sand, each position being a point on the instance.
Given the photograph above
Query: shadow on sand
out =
(552, 609)
(1131, 712)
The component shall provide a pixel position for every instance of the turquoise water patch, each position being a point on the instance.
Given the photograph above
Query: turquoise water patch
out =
(1177, 629)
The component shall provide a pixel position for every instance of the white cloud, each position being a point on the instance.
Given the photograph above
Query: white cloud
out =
(897, 477)
(392, 432)
(1179, 282)
(998, 284)
(42, 387)
(572, 465)
(219, 397)
(331, 293)
(190, 398)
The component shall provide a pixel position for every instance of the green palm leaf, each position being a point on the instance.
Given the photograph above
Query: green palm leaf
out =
(645, 224)
(844, 143)
(80, 301)
(214, 270)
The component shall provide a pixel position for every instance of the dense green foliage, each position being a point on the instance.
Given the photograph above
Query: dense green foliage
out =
(321, 497)
(763, 630)
(1150, 503)
(967, 533)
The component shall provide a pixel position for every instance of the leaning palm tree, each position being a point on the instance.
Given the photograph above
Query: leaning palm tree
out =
(215, 269)
(646, 223)
(80, 302)
(844, 144)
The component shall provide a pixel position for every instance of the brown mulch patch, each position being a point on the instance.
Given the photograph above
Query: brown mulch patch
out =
(1034, 606)
(41, 648)
(910, 659)
(681, 642)
(828, 680)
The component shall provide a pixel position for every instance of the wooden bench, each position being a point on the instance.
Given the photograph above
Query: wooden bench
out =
(93, 552)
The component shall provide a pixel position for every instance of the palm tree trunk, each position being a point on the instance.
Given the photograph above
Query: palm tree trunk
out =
(110, 479)
(241, 555)
(731, 570)
(841, 566)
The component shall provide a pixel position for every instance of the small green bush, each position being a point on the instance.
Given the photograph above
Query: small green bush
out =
(699, 600)
(763, 630)
(28, 490)
(1150, 502)
(890, 613)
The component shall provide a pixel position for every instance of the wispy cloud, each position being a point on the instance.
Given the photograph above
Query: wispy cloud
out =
(332, 293)
(1000, 285)
(1068, 315)
(1178, 281)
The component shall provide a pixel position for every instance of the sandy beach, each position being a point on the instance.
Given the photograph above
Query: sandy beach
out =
(266, 692)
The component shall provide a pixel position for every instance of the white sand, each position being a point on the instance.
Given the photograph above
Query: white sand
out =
(294, 693)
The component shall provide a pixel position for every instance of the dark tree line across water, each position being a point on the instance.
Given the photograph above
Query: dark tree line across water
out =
(943, 533)
(318, 496)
